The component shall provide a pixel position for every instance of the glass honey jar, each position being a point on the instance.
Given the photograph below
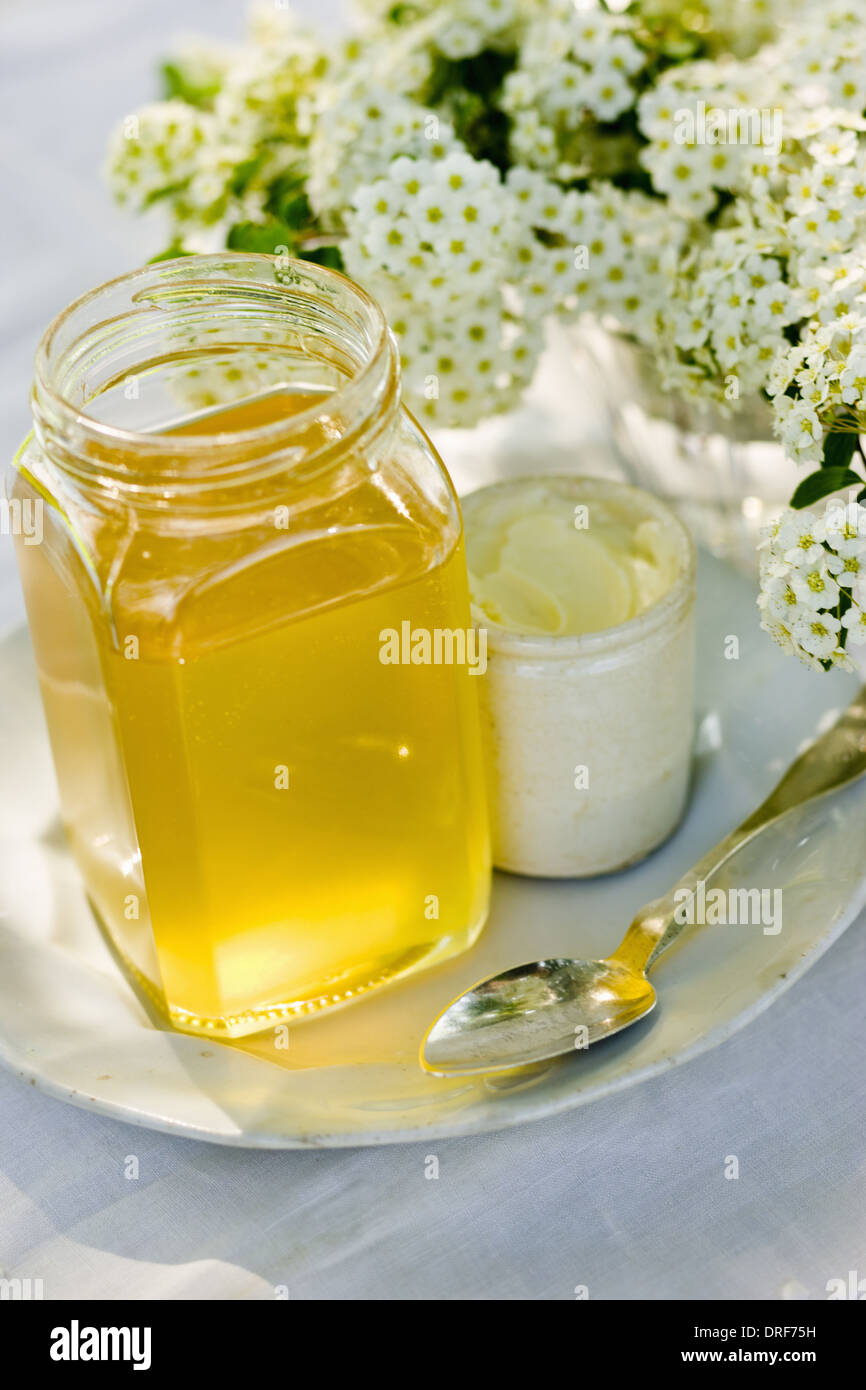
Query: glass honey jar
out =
(271, 814)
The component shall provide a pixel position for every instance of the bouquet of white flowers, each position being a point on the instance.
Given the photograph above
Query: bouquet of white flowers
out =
(481, 164)
(695, 176)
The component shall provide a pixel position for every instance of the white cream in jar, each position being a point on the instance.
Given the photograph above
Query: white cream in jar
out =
(586, 591)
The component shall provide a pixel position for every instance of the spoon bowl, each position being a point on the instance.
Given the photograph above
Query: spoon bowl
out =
(569, 1004)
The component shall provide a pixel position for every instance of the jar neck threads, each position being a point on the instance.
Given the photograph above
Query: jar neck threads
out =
(179, 340)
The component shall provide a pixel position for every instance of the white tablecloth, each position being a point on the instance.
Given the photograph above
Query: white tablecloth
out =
(628, 1196)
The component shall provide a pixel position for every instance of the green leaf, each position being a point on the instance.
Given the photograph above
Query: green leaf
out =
(245, 173)
(329, 256)
(844, 604)
(170, 253)
(861, 496)
(177, 85)
(822, 484)
(296, 212)
(839, 448)
(467, 92)
(631, 179)
(167, 191)
(262, 237)
(283, 191)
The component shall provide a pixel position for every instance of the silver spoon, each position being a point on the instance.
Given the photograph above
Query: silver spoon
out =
(533, 1012)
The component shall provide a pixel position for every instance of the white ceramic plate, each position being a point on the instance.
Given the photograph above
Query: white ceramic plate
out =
(71, 1024)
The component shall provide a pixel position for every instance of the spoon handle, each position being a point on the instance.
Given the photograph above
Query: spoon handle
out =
(832, 761)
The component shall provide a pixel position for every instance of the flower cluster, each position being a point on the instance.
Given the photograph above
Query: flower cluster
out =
(724, 320)
(361, 129)
(696, 175)
(236, 122)
(159, 147)
(712, 128)
(821, 56)
(458, 31)
(818, 382)
(738, 27)
(575, 73)
(437, 241)
(813, 583)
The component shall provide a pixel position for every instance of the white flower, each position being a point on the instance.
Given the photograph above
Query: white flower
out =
(846, 569)
(606, 93)
(815, 587)
(799, 426)
(855, 623)
(834, 147)
(780, 599)
(622, 52)
(817, 634)
(799, 539)
(780, 633)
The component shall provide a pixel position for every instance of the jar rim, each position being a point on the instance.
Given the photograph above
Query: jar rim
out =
(672, 604)
(361, 391)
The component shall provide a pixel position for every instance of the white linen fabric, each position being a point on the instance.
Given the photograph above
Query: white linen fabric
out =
(628, 1198)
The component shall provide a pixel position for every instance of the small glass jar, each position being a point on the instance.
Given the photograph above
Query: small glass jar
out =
(589, 736)
(271, 815)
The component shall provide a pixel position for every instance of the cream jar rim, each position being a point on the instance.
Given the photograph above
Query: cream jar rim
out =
(573, 646)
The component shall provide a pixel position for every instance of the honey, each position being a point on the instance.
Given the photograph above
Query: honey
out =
(270, 819)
